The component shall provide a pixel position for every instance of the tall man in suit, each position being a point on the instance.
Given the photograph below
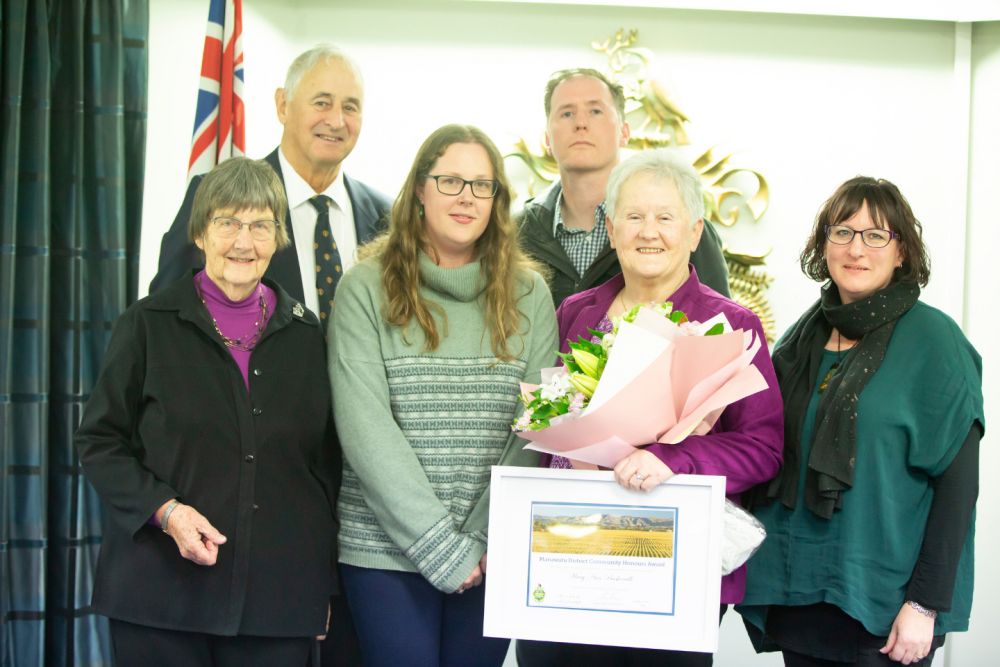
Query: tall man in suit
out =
(564, 229)
(321, 108)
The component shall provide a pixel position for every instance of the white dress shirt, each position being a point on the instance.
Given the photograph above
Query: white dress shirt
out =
(303, 224)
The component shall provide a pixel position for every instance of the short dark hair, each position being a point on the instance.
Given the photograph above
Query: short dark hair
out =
(617, 92)
(239, 184)
(889, 209)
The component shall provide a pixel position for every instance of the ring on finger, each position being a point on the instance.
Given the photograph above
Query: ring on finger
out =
(639, 477)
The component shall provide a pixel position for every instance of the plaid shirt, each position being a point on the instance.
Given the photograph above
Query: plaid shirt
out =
(581, 246)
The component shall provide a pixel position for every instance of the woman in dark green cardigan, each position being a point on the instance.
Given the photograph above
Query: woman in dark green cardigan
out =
(868, 559)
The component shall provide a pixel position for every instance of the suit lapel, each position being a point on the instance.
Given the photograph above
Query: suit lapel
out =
(365, 214)
(284, 268)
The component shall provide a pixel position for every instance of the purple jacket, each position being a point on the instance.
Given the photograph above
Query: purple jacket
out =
(745, 445)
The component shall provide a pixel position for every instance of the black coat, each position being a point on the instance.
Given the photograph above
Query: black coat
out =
(169, 417)
(539, 242)
(178, 255)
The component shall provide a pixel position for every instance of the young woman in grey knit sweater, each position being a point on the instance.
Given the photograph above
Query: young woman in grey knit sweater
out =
(432, 334)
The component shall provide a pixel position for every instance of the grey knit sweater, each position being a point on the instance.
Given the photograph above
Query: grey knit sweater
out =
(421, 429)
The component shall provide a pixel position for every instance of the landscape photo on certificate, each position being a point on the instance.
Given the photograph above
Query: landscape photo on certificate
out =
(602, 557)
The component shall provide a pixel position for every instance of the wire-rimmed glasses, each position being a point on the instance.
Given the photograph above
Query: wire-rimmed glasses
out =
(229, 228)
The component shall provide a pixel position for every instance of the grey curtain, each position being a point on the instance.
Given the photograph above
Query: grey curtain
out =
(71, 154)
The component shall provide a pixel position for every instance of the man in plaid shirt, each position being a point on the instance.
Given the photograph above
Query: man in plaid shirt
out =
(564, 229)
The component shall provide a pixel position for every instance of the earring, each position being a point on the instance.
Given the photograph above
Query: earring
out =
(420, 210)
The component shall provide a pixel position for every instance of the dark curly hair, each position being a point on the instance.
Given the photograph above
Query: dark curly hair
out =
(889, 209)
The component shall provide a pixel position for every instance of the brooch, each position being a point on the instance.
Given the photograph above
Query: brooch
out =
(298, 310)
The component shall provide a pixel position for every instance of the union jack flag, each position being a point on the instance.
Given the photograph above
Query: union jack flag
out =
(219, 122)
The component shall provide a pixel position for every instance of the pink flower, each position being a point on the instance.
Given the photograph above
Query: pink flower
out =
(523, 422)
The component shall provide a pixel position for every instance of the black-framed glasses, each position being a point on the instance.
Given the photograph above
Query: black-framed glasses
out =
(482, 188)
(229, 228)
(873, 238)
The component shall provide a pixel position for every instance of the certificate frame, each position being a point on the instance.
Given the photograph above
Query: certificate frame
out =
(574, 557)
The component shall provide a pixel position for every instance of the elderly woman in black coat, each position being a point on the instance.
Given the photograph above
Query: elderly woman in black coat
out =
(209, 437)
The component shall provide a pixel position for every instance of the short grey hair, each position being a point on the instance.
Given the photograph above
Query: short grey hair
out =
(239, 184)
(660, 163)
(309, 59)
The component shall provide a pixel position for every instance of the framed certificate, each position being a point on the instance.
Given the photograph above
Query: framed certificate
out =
(574, 557)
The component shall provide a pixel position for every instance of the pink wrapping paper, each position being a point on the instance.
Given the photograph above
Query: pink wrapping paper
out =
(662, 393)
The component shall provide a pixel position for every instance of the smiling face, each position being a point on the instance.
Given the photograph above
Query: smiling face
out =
(857, 270)
(653, 234)
(584, 131)
(453, 223)
(236, 265)
(322, 119)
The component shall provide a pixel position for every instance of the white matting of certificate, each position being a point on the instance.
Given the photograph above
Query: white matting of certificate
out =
(573, 557)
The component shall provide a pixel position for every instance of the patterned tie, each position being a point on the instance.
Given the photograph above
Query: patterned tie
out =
(328, 269)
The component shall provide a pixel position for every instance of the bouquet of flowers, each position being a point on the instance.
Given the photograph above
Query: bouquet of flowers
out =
(656, 377)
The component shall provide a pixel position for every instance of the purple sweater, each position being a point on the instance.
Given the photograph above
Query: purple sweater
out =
(236, 317)
(745, 445)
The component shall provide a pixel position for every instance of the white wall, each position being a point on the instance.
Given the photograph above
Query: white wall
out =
(809, 101)
(981, 324)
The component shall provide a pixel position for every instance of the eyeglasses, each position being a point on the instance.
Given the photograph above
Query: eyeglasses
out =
(873, 238)
(229, 228)
(482, 188)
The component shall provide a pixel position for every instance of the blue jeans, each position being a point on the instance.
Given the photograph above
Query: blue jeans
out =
(402, 620)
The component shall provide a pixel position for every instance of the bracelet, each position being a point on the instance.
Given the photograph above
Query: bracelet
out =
(929, 613)
(166, 514)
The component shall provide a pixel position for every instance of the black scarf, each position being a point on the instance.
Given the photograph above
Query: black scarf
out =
(796, 362)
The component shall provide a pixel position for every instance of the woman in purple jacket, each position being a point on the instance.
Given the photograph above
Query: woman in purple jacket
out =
(654, 220)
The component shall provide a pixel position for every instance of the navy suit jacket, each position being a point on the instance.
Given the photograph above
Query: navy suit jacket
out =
(178, 255)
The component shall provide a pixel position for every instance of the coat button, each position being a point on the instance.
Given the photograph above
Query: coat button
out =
(256, 372)
(255, 507)
(248, 458)
(256, 412)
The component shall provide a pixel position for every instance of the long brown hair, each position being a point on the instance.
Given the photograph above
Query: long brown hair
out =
(502, 261)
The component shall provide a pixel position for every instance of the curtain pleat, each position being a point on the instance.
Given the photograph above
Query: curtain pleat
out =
(74, 91)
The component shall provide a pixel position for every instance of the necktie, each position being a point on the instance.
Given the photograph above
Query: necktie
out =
(328, 268)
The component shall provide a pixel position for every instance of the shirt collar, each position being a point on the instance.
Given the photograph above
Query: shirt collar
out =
(557, 222)
(299, 192)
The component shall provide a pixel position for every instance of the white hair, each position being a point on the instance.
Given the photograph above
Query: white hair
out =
(309, 59)
(664, 164)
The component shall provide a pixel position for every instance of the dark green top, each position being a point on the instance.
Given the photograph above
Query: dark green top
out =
(913, 417)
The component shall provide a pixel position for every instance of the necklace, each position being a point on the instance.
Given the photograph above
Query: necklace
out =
(625, 306)
(833, 369)
(621, 300)
(248, 341)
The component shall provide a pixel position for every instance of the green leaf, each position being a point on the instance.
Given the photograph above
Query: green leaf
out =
(544, 411)
(716, 329)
